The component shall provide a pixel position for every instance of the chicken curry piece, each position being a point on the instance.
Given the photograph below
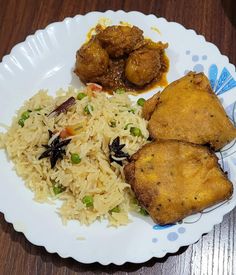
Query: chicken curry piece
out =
(120, 57)
(91, 61)
(120, 40)
(145, 64)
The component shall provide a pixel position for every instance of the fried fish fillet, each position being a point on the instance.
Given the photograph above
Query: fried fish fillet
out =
(150, 105)
(189, 110)
(173, 179)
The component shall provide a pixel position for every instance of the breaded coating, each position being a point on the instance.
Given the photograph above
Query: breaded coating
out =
(189, 110)
(149, 106)
(174, 179)
(91, 61)
(120, 40)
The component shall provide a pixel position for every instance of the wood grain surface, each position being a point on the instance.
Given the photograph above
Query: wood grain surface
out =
(215, 252)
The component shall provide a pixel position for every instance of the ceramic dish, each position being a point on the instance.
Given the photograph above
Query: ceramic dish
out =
(46, 60)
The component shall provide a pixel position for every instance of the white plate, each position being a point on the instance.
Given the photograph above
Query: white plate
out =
(46, 60)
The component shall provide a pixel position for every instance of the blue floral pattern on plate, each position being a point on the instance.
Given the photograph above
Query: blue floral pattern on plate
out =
(224, 83)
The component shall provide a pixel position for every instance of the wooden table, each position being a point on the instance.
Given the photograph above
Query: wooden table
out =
(215, 252)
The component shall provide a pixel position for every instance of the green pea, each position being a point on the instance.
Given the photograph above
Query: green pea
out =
(81, 96)
(88, 108)
(75, 158)
(115, 209)
(120, 91)
(132, 111)
(127, 125)
(112, 124)
(57, 189)
(136, 132)
(141, 101)
(21, 122)
(135, 201)
(143, 212)
(38, 109)
(88, 201)
(25, 115)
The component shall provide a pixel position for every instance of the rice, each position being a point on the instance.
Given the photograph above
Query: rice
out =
(95, 175)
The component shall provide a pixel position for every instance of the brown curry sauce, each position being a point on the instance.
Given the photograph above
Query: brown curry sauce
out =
(115, 76)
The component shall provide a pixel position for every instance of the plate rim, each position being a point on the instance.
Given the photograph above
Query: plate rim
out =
(101, 260)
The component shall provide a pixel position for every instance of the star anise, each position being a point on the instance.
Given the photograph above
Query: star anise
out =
(116, 153)
(55, 150)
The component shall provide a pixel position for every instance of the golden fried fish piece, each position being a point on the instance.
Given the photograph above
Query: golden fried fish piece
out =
(173, 179)
(150, 105)
(188, 110)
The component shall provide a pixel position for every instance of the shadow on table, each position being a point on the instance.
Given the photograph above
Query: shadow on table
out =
(55, 259)
(112, 268)
(229, 7)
